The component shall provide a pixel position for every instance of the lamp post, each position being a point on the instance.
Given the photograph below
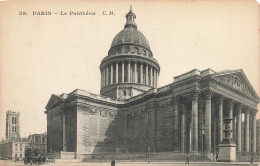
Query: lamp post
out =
(148, 154)
(203, 133)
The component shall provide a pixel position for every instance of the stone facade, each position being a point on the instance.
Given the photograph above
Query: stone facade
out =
(132, 114)
(38, 141)
(13, 149)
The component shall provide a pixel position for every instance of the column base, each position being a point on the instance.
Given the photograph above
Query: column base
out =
(227, 153)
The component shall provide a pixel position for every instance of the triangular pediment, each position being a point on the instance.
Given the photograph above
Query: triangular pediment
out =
(238, 81)
(53, 100)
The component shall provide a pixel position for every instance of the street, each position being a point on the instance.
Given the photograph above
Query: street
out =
(60, 163)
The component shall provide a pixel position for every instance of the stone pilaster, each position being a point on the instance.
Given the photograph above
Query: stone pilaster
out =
(128, 71)
(254, 131)
(111, 73)
(194, 122)
(176, 132)
(207, 125)
(246, 131)
(141, 73)
(116, 72)
(238, 126)
(123, 71)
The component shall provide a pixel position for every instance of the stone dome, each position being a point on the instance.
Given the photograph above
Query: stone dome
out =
(130, 35)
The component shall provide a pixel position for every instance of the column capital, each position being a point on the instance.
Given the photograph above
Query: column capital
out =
(253, 112)
(175, 99)
(208, 93)
(240, 106)
(230, 102)
(195, 94)
(220, 99)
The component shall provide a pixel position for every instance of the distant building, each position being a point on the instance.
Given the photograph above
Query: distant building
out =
(12, 149)
(12, 125)
(38, 141)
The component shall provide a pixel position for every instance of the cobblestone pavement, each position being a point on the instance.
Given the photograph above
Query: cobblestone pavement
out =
(10, 163)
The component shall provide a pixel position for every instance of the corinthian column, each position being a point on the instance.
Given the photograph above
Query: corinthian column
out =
(123, 71)
(246, 131)
(146, 74)
(208, 121)
(107, 75)
(254, 132)
(141, 73)
(135, 73)
(238, 125)
(128, 71)
(183, 127)
(116, 72)
(111, 74)
(194, 122)
(64, 133)
(176, 140)
(220, 119)
(151, 75)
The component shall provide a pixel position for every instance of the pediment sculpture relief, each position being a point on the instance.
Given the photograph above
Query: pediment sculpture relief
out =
(236, 83)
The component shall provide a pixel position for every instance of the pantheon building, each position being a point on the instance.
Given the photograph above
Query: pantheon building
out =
(132, 114)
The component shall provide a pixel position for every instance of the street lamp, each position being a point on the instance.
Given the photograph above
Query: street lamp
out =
(148, 154)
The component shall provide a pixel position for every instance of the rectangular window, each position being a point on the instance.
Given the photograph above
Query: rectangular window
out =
(21, 144)
(15, 122)
(21, 155)
(21, 149)
(15, 155)
(14, 129)
(12, 120)
(15, 144)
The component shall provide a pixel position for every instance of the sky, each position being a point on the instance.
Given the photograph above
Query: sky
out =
(41, 55)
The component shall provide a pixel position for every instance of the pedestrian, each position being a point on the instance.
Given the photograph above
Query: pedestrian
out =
(113, 163)
(217, 157)
(187, 159)
(53, 160)
(47, 159)
(252, 159)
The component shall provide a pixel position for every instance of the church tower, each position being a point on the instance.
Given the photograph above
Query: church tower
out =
(12, 125)
(129, 69)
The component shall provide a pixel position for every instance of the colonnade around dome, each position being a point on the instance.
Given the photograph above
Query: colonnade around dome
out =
(129, 72)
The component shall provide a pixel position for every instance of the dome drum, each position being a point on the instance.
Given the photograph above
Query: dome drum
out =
(126, 58)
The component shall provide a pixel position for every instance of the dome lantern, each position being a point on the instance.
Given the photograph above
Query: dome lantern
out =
(130, 19)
